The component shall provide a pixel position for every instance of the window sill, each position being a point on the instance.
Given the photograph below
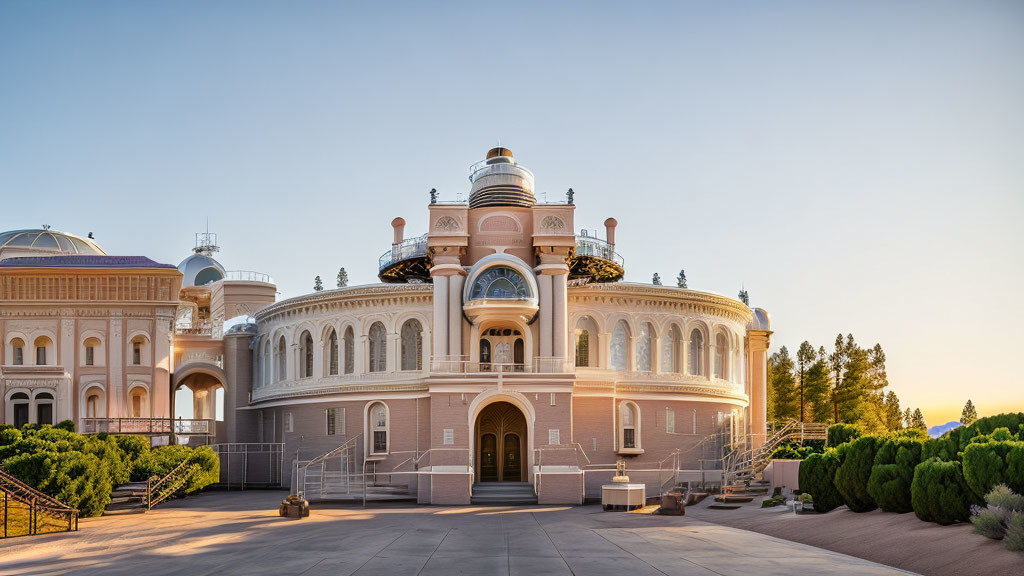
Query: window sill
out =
(630, 451)
(377, 457)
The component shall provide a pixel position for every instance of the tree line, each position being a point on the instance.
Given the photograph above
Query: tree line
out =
(847, 384)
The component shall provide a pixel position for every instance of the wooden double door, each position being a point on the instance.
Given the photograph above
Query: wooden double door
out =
(501, 434)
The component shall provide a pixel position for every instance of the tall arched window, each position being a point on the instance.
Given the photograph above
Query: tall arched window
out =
(44, 408)
(721, 356)
(583, 348)
(350, 350)
(670, 350)
(332, 351)
(620, 345)
(266, 364)
(378, 415)
(92, 346)
(94, 405)
(629, 426)
(42, 344)
(696, 359)
(280, 360)
(18, 352)
(139, 402)
(643, 347)
(306, 353)
(20, 406)
(412, 345)
(378, 348)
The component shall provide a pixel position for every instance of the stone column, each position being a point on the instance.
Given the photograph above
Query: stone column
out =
(712, 351)
(656, 355)
(392, 361)
(160, 387)
(604, 341)
(546, 311)
(560, 314)
(760, 341)
(440, 328)
(68, 348)
(115, 371)
(455, 283)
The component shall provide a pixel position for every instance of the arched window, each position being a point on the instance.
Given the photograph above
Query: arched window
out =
(378, 348)
(721, 356)
(378, 415)
(42, 344)
(18, 352)
(485, 354)
(306, 353)
(350, 350)
(44, 408)
(92, 347)
(266, 364)
(139, 402)
(94, 405)
(696, 356)
(280, 358)
(140, 350)
(20, 406)
(412, 345)
(629, 426)
(620, 345)
(643, 347)
(500, 282)
(332, 351)
(670, 350)
(583, 348)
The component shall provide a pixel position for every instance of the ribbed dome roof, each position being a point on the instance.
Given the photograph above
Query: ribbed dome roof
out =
(199, 270)
(500, 181)
(39, 242)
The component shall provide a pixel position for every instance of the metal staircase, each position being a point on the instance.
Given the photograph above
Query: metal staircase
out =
(742, 466)
(344, 475)
(28, 511)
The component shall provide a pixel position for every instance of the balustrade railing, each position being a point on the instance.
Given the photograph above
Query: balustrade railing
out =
(539, 365)
(152, 426)
(591, 246)
(248, 276)
(409, 248)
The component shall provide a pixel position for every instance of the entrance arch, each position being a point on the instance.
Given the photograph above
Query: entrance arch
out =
(501, 434)
(514, 404)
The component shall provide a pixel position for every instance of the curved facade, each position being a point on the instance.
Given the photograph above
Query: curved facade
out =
(503, 366)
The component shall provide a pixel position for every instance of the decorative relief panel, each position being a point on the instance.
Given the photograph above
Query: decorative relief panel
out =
(448, 224)
(552, 224)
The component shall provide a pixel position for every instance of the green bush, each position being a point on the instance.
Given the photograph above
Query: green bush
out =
(960, 437)
(893, 472)
(1014, 539)
(817, 472)
(66, 425)
(841, 434)
(133, 448)
(987, 463)
(79, 480)
(989, 524)
(939, 493)
(853, 474)
(793, 452)
(162, 460)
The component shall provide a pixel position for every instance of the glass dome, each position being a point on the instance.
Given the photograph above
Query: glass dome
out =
(44, 242)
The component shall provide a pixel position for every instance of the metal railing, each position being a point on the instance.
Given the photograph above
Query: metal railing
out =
(147, 426)
(408, 248)
(27, 511)
(591, 246)
(248, 276)
(246, 464)
(459, 365)
(159, 489)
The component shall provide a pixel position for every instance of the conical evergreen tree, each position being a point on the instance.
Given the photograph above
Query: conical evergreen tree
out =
(804, 359)
(783, 401)
(917, 420)
(969, 415)
(342, 278)
(318, 284)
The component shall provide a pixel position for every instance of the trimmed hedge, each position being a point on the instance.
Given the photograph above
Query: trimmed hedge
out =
(939, 492)
(893, 473)
(853, 474)
(817, 472)
(159, 461)
(841, 434)
(79, 480)
(987, 464)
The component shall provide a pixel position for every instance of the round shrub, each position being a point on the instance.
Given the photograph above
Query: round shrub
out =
(986, 465)
(79, 480)
(893, 472)
(853, 474)
(66, 425)
(817, 472)
(162, 460)
(988, 523)
(841, 434)
(1014, 539)
(939, 492)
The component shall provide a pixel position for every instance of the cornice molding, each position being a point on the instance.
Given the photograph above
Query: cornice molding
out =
(348, 297)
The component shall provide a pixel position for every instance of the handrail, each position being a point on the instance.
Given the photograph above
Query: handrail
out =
(14, 488)
(408, 248)
(248, 276)
(174, 479)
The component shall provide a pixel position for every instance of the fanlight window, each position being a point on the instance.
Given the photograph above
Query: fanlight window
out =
(500, 283)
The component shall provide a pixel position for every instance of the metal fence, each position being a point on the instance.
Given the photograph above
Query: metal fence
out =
(250, 465)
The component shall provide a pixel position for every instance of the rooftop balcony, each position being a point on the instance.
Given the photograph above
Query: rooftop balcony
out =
(596, 259)
(147, 426)
(248, 276)
(405, 261)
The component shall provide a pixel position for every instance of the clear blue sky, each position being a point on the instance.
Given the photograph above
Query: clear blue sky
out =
(859, 167)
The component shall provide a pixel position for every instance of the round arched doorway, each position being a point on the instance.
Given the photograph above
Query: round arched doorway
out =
(500, 443)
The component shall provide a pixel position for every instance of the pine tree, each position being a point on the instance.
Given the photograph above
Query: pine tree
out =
(838, 360)
(907, 421)
(893, 416)
(818, 388)
(744, 297)
(969, 415)
(318, 284)
(782, 396)
(342, 278)
(917, 420)
(656, 280)
(804, 359)
(681, 279)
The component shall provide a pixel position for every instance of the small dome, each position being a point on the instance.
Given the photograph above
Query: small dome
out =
(499, 151)
(499, 180)
(761, 320)
(200, 270)
(40, 242)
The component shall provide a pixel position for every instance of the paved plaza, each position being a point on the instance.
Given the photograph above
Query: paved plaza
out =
(225, 533)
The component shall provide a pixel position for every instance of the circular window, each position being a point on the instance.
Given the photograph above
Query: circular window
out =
(500, 283)
(208, 275)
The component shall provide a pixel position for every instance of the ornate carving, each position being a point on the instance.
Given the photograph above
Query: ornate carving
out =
(448, 224)
(552, 224)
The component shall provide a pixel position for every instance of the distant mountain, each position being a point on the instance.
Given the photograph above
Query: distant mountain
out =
(936, 431)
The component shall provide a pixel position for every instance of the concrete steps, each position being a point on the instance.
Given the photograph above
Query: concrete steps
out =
(127, 498)
(504, 493)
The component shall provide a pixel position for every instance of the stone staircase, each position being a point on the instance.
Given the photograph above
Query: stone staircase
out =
(743, 468)
(127, 498)
(504, 493)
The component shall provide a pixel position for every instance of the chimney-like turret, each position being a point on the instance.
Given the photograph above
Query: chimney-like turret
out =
(609, 230)
(399, 225)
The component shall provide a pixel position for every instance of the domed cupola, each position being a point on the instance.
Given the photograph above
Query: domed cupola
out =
(500, 181)
(45, 242)
(200, 268)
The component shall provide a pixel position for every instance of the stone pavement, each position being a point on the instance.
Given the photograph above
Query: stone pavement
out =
(228, 533)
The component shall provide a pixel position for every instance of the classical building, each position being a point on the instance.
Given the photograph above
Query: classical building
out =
(502, 356)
